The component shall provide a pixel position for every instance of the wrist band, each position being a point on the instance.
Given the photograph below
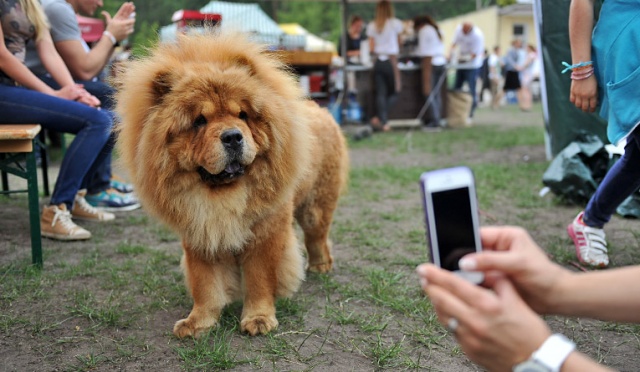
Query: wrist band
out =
(575, 66)
(111, 37)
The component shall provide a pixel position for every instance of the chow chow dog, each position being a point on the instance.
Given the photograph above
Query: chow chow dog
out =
(221, 145)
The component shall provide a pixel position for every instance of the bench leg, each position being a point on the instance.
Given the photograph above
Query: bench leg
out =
(5, 178)
(34, 209)
(44, 162)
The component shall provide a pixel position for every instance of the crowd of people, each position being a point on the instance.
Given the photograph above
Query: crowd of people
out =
(513, 73)
(50, 76)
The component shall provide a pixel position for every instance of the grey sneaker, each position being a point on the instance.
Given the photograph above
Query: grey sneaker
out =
(82, 210)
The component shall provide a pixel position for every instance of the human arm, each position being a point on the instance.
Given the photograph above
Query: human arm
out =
(583, 93)
(85, 65)
(496, 328)
(612, 295)
(56, 67)
(16, 70)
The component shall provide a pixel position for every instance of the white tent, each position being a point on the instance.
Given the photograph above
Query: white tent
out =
(313, 43)
(248, 18)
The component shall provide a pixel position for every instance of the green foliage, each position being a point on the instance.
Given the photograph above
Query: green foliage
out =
(506, 2)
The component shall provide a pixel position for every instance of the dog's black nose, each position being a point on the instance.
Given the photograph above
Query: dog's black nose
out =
(232, 139)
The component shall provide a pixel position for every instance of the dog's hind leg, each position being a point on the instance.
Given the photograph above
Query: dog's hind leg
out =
(213, 283)
(314, 215)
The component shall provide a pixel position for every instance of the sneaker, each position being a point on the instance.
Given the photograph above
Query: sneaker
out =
(82, 210)
(55, 223)
(112, 201)
(591, 246)
(121, 186)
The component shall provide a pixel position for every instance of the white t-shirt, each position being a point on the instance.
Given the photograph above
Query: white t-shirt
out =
(430, 45)
(494, 64)
(472, 43)
(386, 42)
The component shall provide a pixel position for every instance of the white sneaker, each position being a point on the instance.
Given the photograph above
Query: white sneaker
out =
(591, 246)
(82, 210)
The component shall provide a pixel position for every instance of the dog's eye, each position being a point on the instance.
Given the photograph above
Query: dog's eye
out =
(200, 121)
(243, 116)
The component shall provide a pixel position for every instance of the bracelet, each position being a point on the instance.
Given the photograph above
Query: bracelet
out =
(575, 66)
(582, 77)
(111, 37)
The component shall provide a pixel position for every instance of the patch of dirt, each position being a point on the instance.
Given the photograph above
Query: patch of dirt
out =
(41, 333)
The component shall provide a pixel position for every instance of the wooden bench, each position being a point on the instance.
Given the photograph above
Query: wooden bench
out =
(17, 145)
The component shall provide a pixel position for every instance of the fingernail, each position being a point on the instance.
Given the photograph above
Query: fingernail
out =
(468, 264)
(423, 282)
(421, 270)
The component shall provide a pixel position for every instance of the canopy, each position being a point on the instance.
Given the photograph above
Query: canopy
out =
(91, 28)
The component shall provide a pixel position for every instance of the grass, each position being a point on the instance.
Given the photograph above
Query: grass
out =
(110, 303)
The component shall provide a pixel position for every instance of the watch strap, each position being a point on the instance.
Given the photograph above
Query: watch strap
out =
(554, 351)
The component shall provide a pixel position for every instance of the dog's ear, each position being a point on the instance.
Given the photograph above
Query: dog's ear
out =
(242, 60)
(161, 84)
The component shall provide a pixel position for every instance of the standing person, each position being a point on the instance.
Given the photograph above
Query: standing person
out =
(528, 72)
(495, 77)
(612, 68)
(512, 61)
(497, 325)
(469, 40)
(26, 99)
(433, 63)
(85, 65)
(353, 41)
(384, 40)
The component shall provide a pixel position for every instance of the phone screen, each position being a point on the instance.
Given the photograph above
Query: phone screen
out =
(454, 226)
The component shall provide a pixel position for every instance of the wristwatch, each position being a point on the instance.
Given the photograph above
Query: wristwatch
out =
(549, 357)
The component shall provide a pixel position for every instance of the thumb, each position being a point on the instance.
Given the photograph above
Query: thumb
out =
(507, 262)
(106, 15)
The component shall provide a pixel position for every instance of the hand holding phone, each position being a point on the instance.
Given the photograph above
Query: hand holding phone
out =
(451, 217)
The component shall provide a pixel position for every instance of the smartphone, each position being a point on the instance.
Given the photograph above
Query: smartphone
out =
(451, 218)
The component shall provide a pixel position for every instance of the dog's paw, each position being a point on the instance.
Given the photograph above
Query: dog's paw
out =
(186, 328)
(258, 325)
(320, 267)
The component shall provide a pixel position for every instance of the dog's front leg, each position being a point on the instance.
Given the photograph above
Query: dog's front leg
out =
(210, 282)
(260, 268)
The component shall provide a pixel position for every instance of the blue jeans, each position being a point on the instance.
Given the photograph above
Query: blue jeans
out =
(101, 179)
(385, 85)
(470, 76)
(620, 181)
(92, 129)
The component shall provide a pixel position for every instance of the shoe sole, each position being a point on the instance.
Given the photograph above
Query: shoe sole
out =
(62, 237)
(73, 216)
(128, 208)
(574, 237)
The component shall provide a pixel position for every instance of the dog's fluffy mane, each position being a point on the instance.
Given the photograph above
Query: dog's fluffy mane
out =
(155, 101)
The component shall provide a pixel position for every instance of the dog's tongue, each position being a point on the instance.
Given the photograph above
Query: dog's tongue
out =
(232, 167)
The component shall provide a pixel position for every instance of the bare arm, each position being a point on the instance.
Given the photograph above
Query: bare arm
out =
(612, 295)
(86, 65)
(583, 92)
(16, 70)
(608, 295)
(52, 61)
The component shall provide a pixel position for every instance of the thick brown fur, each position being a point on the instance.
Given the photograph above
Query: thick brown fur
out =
(222, 146)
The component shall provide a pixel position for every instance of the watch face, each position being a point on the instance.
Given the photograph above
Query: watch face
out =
(530, 366)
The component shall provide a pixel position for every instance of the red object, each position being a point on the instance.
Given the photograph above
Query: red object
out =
(90, 28)
(192, 18)
(315, 83)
